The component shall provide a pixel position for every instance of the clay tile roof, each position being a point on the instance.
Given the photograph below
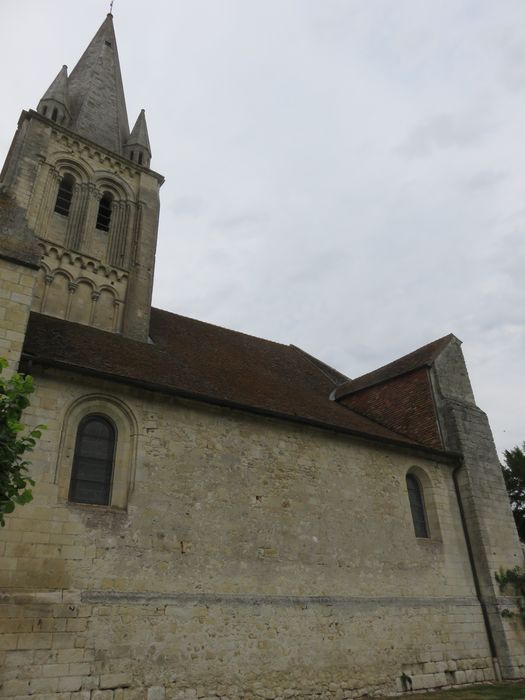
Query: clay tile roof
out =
(422, 357)
(202, 361)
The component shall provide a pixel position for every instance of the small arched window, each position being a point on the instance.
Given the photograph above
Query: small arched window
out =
(92, 471)
(132, 155)
(65, 195)
(104, 212)
(54, 114)
(44, 110)
(417, 506)
(140, 157)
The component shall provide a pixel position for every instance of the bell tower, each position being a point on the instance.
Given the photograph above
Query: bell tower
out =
(85, 184)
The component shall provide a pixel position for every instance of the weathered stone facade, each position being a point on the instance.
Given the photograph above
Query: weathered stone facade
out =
(258, 540)
(252, 558)
(87, 275)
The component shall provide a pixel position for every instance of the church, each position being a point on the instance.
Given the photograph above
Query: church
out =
(216, 515)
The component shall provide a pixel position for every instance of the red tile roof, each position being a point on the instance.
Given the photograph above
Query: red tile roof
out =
(206, 362)
(422, 357)
(404, 404)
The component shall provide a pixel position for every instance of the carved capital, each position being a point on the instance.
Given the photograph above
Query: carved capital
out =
(95, 296)
(72, 287)
(48, 279)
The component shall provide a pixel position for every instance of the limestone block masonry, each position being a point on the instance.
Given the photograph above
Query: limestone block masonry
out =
(16, 292)
(87, 275)
(247, 562)
(19, 261)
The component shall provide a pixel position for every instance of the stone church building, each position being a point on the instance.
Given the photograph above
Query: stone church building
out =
(216, 515)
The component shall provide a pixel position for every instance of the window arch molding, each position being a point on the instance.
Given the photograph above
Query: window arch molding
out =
(425, 485)
(119, 189)
(126, 435)
(79, 171)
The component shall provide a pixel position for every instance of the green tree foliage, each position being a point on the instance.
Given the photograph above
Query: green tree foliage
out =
(14, 480)
(514, 475)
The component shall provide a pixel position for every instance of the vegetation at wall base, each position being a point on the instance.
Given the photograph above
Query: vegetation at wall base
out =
(514, 475)
(14, 444)
(512, 582)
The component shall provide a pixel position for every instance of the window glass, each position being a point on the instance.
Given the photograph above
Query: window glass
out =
(93, 462)
(104, 212)
(417, 506)
(65, 195)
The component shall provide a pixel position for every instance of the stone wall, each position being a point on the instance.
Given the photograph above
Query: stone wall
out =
(248, 558)
(16, 290)
(102, 278)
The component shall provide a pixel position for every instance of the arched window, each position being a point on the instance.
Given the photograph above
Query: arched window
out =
(92, 471)
(104, 212)
(65, 195)
(54, 115)
(417, 506)
(140, 157)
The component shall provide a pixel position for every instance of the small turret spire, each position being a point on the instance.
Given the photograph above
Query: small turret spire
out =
(55, 102)
(137, 146)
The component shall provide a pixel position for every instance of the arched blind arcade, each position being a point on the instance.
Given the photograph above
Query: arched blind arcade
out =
(93, 461)
(65, 195)
(417, 506)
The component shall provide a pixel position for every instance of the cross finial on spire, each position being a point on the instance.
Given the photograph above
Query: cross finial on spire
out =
(111, 7)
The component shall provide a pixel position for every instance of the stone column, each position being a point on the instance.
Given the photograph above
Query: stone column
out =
(72, 288)
(47, 203)
(48, 280)
(77, 216)
(94, 298)
(90, 220)
(116, 315)
(118, 234)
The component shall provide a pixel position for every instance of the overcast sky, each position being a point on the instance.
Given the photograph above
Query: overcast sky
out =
(344, 175)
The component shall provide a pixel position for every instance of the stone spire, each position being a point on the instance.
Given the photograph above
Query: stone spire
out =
(137, 146)
(55, 102)
(98, 105)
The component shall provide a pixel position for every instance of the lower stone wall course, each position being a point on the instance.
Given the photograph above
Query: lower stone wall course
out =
(193, 652)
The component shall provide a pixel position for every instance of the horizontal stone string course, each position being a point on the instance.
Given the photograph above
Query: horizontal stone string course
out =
(141, 598)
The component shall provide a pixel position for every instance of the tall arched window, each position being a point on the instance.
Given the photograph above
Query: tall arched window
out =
(417, 506)
(104, 212)
(65, 195)
(92, 471)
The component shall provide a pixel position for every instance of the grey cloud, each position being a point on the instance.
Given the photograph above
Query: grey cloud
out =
(246, 219)
(188, 206)
(444, 131)
(485, 180)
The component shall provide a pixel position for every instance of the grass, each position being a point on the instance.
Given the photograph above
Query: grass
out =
(493, 691)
